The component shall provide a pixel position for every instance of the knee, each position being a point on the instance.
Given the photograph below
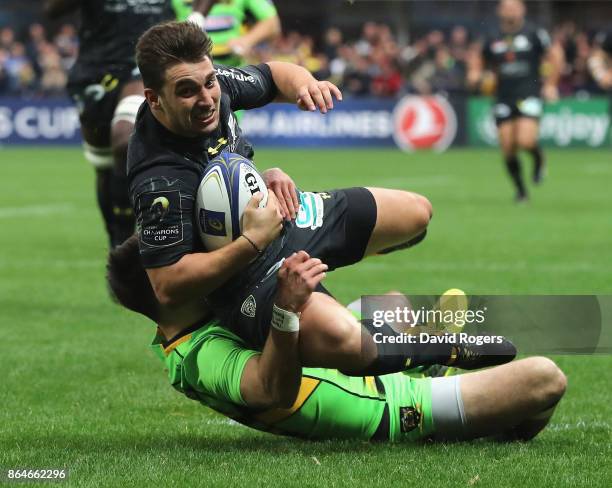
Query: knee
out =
(422, 212)
(547, 382)
(509, 151)
(526, 144)
(342, 335)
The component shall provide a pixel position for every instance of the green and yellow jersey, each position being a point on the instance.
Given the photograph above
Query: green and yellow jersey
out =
(225, 22)
(206, 364)
(182, 9)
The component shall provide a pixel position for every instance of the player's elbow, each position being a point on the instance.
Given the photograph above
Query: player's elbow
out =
(164, 297)
(281, 395)
(284, 399)
(166, 289)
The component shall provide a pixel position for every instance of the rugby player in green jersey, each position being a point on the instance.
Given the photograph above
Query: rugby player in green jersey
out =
(224, 22)
(269, 389)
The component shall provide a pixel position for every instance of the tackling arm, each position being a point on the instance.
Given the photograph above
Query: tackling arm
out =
(272, 379)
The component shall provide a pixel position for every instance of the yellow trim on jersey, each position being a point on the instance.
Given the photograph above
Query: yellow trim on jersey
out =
(307, 387)
(175, 344)
(370, 383)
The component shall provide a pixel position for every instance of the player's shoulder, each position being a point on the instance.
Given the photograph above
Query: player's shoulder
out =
(152, 145)
(538, 33)
(243, 74)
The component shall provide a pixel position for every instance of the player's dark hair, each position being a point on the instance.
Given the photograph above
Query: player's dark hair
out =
(128, 279)
(167, 44)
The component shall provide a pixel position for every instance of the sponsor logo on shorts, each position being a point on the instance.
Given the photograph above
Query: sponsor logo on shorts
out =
(501, 110)
(410, 418)
(531, 107)
(424, 123)
(156, 228)
(310, 214)
(249, 307)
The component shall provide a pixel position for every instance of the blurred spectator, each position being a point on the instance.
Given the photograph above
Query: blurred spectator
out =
(373, 64)
(67, 43)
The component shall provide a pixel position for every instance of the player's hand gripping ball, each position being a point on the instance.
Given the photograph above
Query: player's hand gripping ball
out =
(229, 182)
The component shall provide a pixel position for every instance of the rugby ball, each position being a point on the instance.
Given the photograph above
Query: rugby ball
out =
(229, 182)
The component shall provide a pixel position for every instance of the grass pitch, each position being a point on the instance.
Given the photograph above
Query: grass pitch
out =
(81, 390)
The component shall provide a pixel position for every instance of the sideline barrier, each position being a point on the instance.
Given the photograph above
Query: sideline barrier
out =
(410, 123)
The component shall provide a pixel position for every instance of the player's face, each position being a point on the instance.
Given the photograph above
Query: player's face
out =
(190, 99)
(511, 15)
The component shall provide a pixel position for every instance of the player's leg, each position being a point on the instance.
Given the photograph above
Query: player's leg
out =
(527, 137)
(95, 97)
(332, 337)
(98, 152)
(130, 99)
(515, 399)
(402, 218)
(507, 133)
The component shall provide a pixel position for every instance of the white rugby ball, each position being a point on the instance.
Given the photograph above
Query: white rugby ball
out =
(229, 182)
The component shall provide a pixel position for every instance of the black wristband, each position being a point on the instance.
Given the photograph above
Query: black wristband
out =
(259, 251)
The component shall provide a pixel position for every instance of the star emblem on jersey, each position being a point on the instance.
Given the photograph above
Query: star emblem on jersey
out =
(249, 307)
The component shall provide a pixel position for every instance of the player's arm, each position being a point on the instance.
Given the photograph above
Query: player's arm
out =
(272, 379)
(554, 60)
(284, 188)
(57, 8)
(266, 28)
(198, 274)
(475, 66)
(164, 199)
(296, 85)
(200, 9)
(599, 61)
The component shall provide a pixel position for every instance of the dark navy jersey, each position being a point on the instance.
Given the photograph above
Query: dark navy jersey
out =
(165, 170)
(110, 29)
(516, 59)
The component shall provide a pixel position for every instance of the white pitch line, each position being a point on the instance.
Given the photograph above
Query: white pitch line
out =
(35, 210)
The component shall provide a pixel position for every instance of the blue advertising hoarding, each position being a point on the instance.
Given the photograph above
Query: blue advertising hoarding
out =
(30, 122)
(410, 123)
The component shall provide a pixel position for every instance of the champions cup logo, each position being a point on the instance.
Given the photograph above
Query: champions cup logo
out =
(159, 208)
(424, 123)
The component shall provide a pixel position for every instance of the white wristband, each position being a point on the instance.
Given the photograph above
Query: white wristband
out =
(285, 321)
(197, 18)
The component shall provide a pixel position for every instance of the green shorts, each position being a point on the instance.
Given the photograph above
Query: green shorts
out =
(408, 415)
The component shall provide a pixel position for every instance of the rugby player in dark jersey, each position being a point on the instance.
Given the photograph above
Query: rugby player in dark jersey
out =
(188, 119)
(107, 90)
(515, 52)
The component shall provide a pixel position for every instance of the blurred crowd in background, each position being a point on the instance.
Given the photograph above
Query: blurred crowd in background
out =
(35, 63)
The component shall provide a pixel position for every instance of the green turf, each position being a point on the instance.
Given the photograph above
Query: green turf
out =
(80, 388)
